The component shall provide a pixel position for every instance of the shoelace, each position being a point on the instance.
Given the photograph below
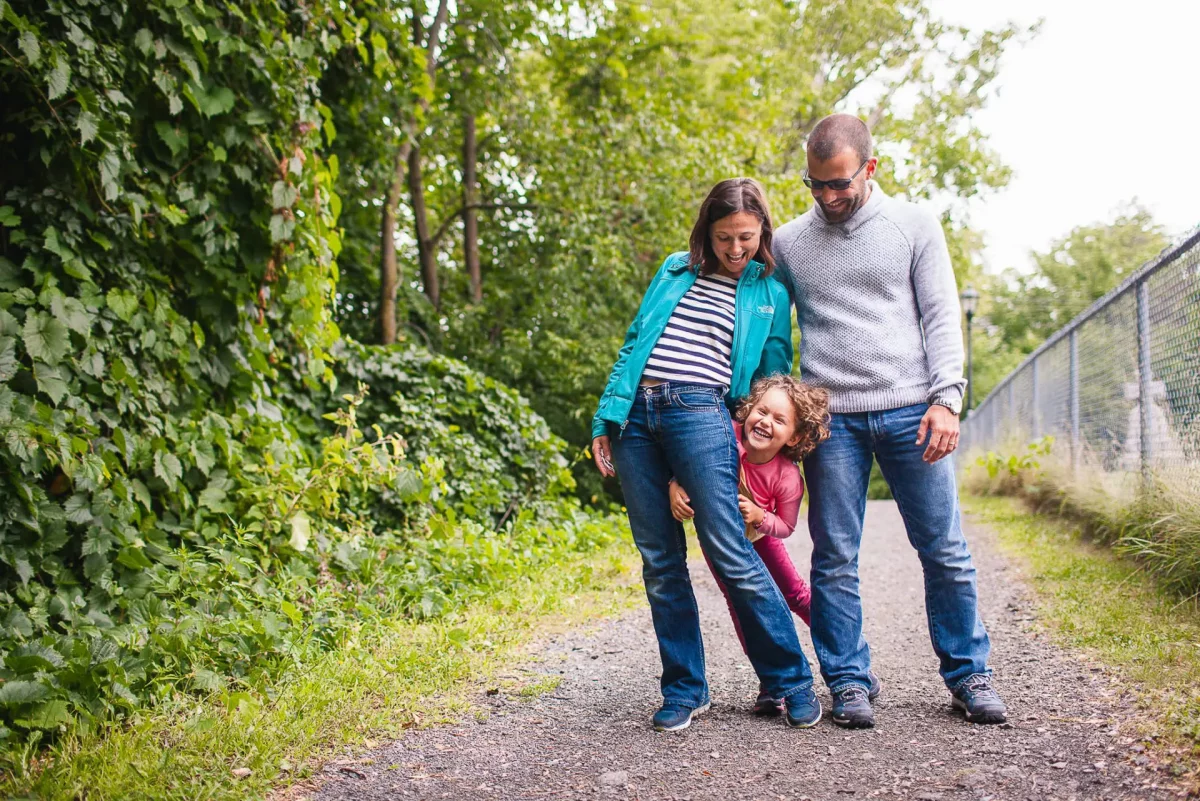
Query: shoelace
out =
(851, 693)
(980, 685)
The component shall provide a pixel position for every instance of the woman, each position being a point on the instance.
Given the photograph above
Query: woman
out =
(711, 321)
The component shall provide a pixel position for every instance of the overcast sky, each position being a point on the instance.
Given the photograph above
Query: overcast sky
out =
(1101, 107)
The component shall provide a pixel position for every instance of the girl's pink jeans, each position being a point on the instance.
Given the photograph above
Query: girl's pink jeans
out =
(779, 564)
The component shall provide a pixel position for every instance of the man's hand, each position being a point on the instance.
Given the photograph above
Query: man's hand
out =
(680, 509)
(941, 425)
(602, 455)
(751, 513)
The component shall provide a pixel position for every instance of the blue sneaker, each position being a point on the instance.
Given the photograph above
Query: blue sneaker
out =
(803, 709)
(876, 686)
(675, 717)
(978, 700)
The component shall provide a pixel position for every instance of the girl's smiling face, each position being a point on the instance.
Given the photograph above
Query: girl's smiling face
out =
(770, 426)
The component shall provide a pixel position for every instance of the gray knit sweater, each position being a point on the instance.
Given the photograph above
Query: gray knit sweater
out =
(877, 305)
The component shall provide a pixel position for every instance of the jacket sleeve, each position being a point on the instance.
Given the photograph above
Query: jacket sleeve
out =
(777, 352)
(599, 427)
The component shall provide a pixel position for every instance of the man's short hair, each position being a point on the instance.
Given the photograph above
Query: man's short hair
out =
(837, 132)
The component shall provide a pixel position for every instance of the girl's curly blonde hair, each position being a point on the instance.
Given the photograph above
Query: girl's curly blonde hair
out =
(812, 411)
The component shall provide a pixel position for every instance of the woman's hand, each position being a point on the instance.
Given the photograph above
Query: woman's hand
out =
(602, 455)
(680, 501)
(751, 513)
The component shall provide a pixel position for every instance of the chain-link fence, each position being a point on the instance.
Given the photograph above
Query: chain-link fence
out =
(1118, 387)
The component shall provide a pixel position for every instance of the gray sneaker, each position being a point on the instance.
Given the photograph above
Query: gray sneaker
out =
(852, 707)
(978, 700)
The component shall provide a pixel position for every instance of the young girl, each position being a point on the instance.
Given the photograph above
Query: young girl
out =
(779, 423)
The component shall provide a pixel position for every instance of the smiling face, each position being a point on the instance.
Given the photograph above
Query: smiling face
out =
(770, 426)
(735, 240)
(839, 205)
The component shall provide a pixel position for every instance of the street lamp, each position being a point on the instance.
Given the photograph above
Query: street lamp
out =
(970, 299)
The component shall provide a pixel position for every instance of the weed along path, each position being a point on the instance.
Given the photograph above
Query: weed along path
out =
(1070, 733)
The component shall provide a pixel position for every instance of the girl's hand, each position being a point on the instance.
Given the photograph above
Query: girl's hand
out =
(750, 511)
(680, 509)
(602, 455)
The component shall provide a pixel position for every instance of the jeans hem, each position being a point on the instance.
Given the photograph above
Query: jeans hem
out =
(799, 688)
(686, 704)
(836, 688)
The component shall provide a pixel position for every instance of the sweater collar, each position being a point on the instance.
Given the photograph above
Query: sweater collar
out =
(869, 209)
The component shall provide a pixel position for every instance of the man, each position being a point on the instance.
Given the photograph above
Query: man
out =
(878, 310)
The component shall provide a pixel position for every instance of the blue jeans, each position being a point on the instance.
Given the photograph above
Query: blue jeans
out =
(684, 431)
(837, 473)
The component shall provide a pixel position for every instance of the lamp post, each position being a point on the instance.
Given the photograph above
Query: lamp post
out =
(970, 298)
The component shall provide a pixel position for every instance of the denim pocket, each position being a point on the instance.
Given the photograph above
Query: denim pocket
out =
(697, 400)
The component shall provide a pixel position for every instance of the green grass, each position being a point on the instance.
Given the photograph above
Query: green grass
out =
(388, 677)
(1111, 607)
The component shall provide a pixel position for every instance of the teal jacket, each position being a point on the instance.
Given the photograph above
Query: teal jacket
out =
(762, 336)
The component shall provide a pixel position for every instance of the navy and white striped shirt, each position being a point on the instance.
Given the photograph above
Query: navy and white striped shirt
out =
(696, 345)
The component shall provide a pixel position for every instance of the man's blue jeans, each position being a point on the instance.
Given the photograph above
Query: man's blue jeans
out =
(837, 473)
(684, 431)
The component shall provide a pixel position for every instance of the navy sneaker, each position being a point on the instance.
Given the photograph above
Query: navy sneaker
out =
(978, 699)
(852, 707)
(676, 717)
(876, 686)
(767, 707)
(803, 709)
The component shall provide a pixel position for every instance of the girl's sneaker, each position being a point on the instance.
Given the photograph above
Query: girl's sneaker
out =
(675, 717)
(803, 709)
(767, 707)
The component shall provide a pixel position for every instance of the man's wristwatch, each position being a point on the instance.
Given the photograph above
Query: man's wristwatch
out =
(954, 406)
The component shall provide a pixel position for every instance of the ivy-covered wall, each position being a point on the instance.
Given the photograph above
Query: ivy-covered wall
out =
(187, 498)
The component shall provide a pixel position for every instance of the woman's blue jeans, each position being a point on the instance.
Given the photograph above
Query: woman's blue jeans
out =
(837, 473)
(684, 431)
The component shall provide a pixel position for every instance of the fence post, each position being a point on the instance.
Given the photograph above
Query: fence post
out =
(1012, 410)
(1073, 394)
(1144, 378)
(1035, 411)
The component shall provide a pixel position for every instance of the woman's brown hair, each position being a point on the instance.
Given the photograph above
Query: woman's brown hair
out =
(729, 197)
(812, 411)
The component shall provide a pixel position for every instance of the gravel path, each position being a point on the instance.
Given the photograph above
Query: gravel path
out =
(591, 738)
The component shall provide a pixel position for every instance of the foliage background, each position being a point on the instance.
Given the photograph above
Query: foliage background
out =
(211, 467)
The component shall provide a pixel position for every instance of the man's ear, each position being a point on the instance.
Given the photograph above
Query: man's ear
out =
(872, 165)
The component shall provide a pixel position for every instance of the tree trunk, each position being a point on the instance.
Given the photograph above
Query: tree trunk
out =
(425, 250)
(389, 272)
(470, 212)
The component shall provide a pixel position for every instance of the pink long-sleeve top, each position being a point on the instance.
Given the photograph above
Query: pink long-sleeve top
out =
(776, 487)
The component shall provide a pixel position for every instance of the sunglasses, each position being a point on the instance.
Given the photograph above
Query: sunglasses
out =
(837, 184)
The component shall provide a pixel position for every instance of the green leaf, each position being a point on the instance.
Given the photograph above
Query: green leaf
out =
(45, 338)
(49, 715)
(8, 218)
(202, 453)
(22, 692)
(175, 136)
(8, 359)
(51, 381)
(133, 558)
(88, 126)
(56, 246)
(34, 656)
(59, 78)
(301, 531)
(283, 196)
(217, 102)
(123, 303)
(144, 41)
(72, 313)
(30, 47)
(281, 228)
(168, 468)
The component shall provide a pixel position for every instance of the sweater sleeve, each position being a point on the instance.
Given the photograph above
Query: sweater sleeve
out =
(937, 303)
(790, 489)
